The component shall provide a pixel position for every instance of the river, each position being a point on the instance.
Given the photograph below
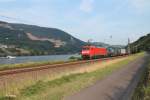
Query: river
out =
(25, 59)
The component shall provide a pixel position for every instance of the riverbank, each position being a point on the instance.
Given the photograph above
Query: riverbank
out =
(25, 59)
(33, 61)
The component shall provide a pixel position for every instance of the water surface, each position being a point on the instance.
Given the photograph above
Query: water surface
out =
(24, 59)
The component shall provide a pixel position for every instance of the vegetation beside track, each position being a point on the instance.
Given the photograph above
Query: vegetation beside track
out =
(59, 88)
(32, 64)
(142, 91)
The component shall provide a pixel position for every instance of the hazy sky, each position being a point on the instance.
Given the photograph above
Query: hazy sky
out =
(84, 19)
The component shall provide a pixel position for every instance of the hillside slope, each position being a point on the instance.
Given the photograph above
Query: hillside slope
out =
(142, 43)
(21, 39)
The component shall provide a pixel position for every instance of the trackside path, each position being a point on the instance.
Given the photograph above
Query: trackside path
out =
(118, 86)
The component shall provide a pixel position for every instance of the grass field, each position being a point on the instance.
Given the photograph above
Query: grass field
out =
(58, 88)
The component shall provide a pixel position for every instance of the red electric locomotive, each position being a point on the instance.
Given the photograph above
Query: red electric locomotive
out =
(89, 52)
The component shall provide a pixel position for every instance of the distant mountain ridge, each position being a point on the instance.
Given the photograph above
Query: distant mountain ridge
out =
(22, 39)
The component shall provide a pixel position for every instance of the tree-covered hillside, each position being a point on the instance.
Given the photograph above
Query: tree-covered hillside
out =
(14, 40)
(142, 43)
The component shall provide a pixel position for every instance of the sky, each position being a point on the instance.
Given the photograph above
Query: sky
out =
(109, 21)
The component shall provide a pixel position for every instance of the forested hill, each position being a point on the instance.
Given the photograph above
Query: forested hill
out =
(142, 43)
(22, 39)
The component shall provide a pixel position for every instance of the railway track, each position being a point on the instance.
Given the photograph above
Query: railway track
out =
(69, 64)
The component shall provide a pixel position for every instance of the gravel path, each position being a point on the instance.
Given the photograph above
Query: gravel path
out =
(118, 86)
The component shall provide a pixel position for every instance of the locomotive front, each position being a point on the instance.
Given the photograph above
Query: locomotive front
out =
(85, 52)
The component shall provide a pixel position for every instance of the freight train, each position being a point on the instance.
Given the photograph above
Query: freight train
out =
(91, 52)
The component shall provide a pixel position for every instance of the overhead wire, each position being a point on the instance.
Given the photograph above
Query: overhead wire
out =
(17, 19)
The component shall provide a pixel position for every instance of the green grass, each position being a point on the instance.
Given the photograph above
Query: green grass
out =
(66, 85)
(32, 64)
(142, 91)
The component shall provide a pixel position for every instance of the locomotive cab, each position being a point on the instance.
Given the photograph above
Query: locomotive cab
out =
(86, 52)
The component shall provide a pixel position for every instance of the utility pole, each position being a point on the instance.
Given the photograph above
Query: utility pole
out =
(89, 41)
(129, 48)
(111, 39)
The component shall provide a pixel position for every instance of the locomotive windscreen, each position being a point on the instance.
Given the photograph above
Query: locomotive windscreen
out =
(85, 48)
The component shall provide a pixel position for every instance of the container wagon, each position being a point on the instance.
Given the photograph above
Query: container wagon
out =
(123, 52)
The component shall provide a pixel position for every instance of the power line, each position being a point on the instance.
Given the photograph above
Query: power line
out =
(14, 19)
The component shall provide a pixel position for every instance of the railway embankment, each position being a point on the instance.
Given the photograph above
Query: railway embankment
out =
(54, 84)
